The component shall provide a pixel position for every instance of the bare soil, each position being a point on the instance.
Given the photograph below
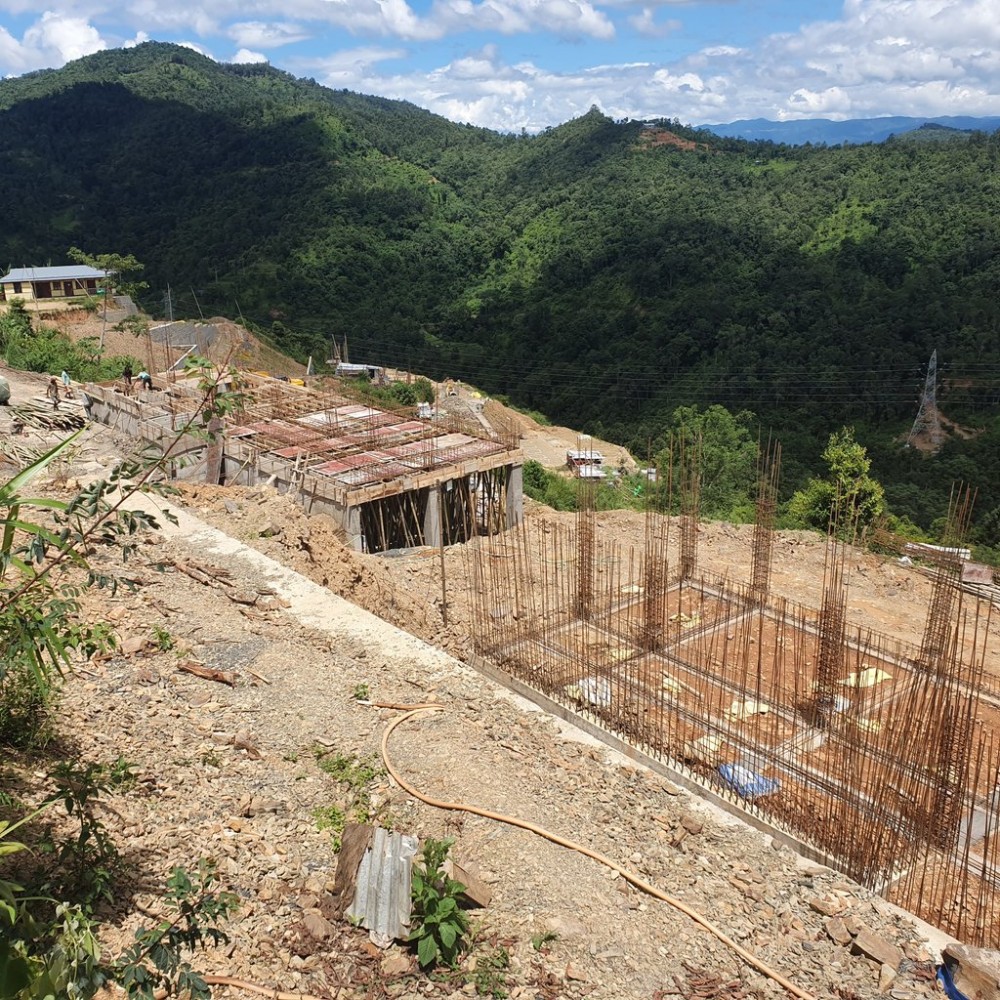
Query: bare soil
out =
(233, 344)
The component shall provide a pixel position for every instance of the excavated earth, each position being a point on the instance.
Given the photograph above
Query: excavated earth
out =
(249, 585)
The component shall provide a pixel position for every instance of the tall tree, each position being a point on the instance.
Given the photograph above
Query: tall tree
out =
(727, 457)
(119, 270)
(850, 496)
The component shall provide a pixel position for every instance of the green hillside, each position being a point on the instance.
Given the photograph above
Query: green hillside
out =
(601, 272)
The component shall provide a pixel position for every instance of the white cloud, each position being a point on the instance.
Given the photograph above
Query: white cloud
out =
(830, 103)
(159, 18)
(195, 47)
(904, 56)
(65, 37)
(878, 57)
(11, 53)
(140, 37)
(248, 56)
(266, 35)
(349, 67)
(373, 17)
(722, 50)
(873, 57)
(564, 18)
(52, 40)
(645, 23)
(684, 83)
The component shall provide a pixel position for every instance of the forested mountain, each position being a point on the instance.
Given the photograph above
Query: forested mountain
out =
(601, 272)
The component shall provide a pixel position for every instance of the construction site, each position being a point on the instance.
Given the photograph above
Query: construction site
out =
(881, 757)
(878, 756)
(388, 479)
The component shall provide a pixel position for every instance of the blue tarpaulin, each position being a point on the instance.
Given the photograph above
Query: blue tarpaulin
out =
(747, 783)
(948, 984)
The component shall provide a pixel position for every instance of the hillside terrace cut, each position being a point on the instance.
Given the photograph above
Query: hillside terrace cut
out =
(389, 480)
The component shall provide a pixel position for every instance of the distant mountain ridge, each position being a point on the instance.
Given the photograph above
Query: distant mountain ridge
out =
(833, 133)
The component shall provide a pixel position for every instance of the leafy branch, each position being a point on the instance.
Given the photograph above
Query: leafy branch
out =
(155, 960)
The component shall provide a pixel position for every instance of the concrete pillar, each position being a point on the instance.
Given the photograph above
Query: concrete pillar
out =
(349, 519)
(515, 496)
(432, 516)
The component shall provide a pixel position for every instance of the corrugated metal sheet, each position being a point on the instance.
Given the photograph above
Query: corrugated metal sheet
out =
(382, 900)
(70, 272)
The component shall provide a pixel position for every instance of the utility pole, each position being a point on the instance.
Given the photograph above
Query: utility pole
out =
(168, 305)
(928, 418)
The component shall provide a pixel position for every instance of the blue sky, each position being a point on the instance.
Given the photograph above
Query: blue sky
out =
(513, 64)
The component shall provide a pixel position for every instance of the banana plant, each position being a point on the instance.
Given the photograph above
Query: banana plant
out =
(30, 607)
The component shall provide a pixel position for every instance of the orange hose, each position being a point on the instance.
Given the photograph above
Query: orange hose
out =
(242, 984)
(643, 886)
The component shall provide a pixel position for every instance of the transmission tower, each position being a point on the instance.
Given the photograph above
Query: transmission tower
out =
(928, 420)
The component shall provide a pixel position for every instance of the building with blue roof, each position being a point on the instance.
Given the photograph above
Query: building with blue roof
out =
(51, 284)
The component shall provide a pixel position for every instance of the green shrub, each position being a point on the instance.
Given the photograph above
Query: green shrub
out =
(549, 488)
(48, 946)
(49, 350)
(354, 776)
(332, 819)
(439, 927)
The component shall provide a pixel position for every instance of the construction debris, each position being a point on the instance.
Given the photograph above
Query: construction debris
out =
(41, 415)
(475, 892)
(207, 673)
(974, 971)
(382, 897)
(878, 949)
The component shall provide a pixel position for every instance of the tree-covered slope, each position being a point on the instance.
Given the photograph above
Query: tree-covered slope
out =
(241, 183)
(602, 272)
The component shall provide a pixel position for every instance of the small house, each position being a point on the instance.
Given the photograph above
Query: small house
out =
(586, 464)
(51, 284)
(375, 373)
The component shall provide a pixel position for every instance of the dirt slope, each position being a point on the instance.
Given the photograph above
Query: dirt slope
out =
(230, 772)
(230, 343)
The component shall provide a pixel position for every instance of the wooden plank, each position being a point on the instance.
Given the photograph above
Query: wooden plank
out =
(356, 839)
(207, 673)
(477, 893)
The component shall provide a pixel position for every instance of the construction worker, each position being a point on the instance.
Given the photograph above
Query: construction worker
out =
(52, 392)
